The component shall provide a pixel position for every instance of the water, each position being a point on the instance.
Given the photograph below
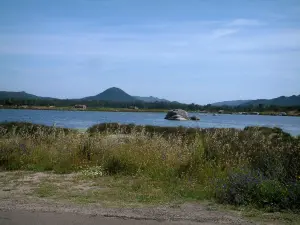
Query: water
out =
(85, 119)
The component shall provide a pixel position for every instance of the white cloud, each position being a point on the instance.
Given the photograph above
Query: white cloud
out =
(245, 22)
(204, 54)
(276, 41)
(200, 42)
(223, 32)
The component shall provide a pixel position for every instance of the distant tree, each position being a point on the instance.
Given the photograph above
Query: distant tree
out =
(9, 102)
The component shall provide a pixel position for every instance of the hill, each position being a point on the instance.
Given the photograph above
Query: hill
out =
(118, 95)
(150, 99)
(293, 100)
(231, 103)
(18, 95)
(112, 94)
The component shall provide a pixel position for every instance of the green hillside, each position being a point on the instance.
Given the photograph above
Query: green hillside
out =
(17, 95)
(112, 94)
(293, 100)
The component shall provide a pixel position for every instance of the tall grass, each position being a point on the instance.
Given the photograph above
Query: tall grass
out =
(257, 166)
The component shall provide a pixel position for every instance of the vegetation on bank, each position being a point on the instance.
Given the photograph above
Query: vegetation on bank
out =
(26, 128)
(101, 105)
(287, 111)
(72, 108)
(256, 166)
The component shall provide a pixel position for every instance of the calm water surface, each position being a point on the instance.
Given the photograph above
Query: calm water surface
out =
(85, 119)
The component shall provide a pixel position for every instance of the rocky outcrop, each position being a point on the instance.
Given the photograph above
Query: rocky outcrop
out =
(180, 115)
(194, 118)
(177, 114)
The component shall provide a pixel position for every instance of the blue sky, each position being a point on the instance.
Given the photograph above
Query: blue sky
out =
(199, 51)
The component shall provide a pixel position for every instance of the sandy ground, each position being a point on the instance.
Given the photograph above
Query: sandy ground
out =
(38, 218)
(49, 218)
(18, 206)
(42, 211)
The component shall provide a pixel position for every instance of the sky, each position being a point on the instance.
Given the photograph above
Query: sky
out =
(199, 51)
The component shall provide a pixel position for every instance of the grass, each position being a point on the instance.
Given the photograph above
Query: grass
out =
(255, 167)
(46, 190)
(113, 191)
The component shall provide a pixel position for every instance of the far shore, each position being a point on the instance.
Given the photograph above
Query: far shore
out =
(100, 109)
(97, 109)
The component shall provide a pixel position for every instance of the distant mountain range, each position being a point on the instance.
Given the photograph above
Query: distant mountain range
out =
(280, 101)
(118, 95)
(111, 94)
(19, 95)
(231, 103)
(150, 99)
(293, 100)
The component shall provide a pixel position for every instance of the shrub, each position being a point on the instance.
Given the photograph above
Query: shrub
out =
(294, 195)
(252, 188)
(237, 188)
(117, 165)
(276, 156)
(271, 194)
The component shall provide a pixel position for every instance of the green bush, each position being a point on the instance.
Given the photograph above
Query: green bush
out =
(252, 188)
(294, 195)
(117, 165)
(237, 188)
(276, 156)
(272, 194)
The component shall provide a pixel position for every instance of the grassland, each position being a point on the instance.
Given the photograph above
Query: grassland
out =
(257, 168)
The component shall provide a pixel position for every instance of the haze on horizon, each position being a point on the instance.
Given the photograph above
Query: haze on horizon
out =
(190, 51)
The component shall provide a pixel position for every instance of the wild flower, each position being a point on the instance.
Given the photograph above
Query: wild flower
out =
(93, 172)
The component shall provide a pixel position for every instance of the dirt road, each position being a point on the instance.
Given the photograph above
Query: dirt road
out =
(18, 217)
(23, 212)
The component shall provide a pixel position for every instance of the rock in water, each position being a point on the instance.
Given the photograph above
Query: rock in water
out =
(194, 118)
(177, 114)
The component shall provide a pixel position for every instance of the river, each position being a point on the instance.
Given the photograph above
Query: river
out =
(85, 119)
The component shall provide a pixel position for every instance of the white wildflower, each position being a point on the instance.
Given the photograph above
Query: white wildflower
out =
(95, 171)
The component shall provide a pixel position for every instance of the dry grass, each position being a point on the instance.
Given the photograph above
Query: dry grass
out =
(155, 166)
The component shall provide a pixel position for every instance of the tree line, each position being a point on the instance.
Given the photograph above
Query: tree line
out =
(145, 105)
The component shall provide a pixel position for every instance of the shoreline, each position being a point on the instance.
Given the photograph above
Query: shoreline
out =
(140, 110)
(89, 109)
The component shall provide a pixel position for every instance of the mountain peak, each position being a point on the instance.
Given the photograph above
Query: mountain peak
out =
(113, 94)
(116, 89)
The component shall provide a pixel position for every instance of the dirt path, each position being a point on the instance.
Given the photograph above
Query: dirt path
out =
(48, 218)
(24, 199)
(40, 212)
